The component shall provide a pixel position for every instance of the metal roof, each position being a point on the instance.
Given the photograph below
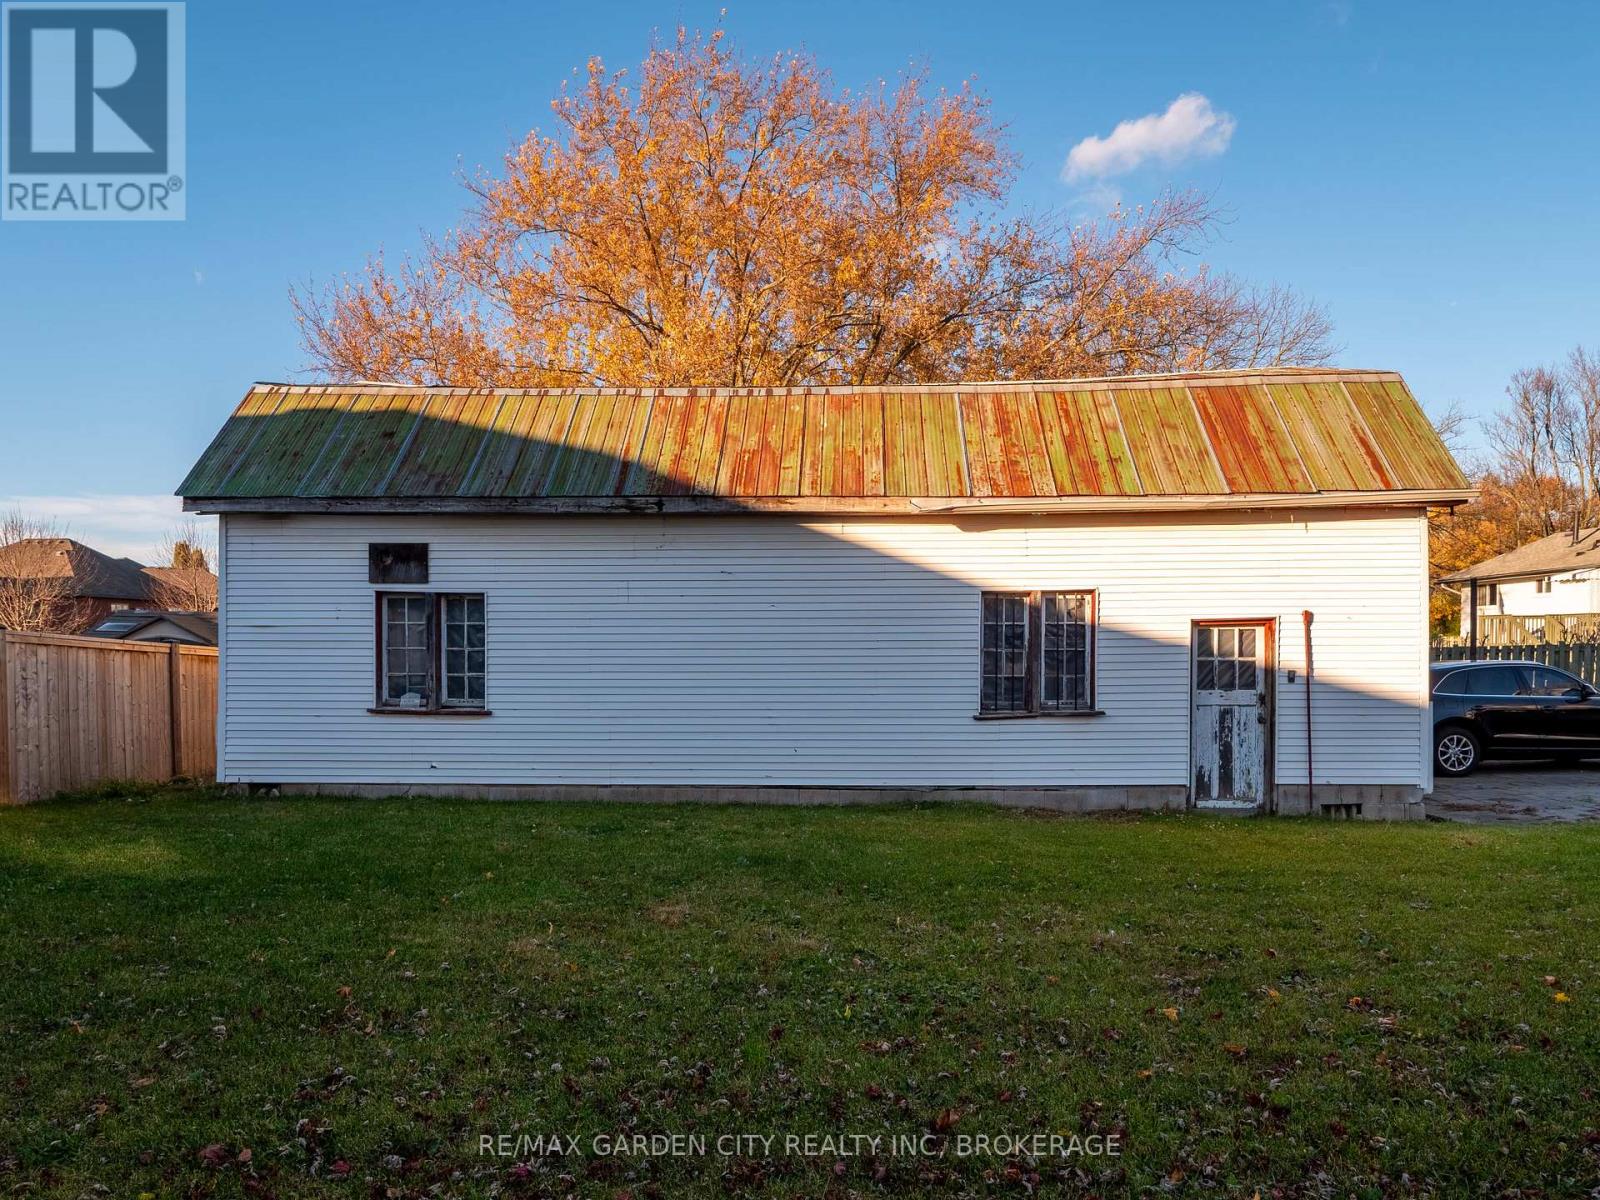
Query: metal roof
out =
(1217, 437)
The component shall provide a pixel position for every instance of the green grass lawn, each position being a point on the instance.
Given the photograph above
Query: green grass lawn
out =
(356, 992)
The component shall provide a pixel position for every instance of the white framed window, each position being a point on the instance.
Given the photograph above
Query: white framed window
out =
(431, 651)
(464, 651)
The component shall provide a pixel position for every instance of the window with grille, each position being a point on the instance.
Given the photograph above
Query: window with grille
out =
(463, 651)
(431, 651)
(1226, 658)
(1037, 653)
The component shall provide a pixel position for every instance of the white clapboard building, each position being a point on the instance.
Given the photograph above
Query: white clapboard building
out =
(1087, 594)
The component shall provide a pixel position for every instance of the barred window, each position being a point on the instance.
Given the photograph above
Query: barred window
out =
(431, 651)
(1037, 653)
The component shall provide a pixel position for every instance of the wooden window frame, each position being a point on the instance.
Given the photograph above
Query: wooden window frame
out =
(437, 706)
(1033, 678)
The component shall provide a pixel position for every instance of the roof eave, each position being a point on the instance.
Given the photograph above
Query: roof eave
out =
(1522, 573)
(821, 505)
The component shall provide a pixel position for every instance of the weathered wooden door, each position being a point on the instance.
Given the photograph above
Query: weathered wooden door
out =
(1230, 715)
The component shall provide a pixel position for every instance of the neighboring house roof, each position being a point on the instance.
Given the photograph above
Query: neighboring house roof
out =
(1548, 556)
(131, 623)
(1210, 439)
(93, 575)
(181, 579)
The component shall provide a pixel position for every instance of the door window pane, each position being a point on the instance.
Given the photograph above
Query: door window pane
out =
(1225, 658)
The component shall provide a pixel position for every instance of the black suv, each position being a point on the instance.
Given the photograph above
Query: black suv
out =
(1510, 710)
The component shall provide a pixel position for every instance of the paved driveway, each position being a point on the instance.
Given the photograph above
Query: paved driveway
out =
(1519, 792)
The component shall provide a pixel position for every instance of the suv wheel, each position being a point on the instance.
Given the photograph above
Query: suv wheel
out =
(1455, 750)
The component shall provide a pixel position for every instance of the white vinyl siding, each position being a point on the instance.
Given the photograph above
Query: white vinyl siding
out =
(765, 651)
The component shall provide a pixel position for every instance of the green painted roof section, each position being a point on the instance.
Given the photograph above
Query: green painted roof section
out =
(1264, 432)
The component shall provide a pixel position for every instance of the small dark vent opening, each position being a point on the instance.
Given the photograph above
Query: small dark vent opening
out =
(397, 562)
(1341, 812)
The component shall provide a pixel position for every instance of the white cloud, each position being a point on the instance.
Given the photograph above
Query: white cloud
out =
(1099, 199)
(128, 526)
(1190, 128)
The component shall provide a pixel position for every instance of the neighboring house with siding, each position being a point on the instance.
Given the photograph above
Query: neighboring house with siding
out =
(1546, 590)
(1085, 594)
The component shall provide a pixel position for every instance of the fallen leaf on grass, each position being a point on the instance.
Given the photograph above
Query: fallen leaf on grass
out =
(1170, 1014)
(214, 1155)
(1235, 1049)
(1562, 998)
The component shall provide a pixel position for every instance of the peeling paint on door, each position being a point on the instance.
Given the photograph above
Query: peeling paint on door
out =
(1229, 715)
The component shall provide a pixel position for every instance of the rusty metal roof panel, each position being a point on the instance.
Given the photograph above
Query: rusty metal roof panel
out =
(1006, 453)
(361, 450)
(1412, 449)
(1253, 448)
(1085, 444)
(439, 451)
(1338, 453)
(1257, 433)
(495, 460)
(290, 442)
(1171, 454)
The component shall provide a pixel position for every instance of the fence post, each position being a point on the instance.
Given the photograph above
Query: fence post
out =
(7, 796)
(175, 706)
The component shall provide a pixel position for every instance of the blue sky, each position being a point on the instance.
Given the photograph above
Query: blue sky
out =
(1427, 171)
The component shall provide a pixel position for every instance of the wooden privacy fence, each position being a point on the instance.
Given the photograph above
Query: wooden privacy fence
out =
(76, 711)
(1497, 629)
(1581, 658)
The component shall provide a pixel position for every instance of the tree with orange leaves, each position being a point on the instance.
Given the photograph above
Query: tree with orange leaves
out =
(728, 223)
